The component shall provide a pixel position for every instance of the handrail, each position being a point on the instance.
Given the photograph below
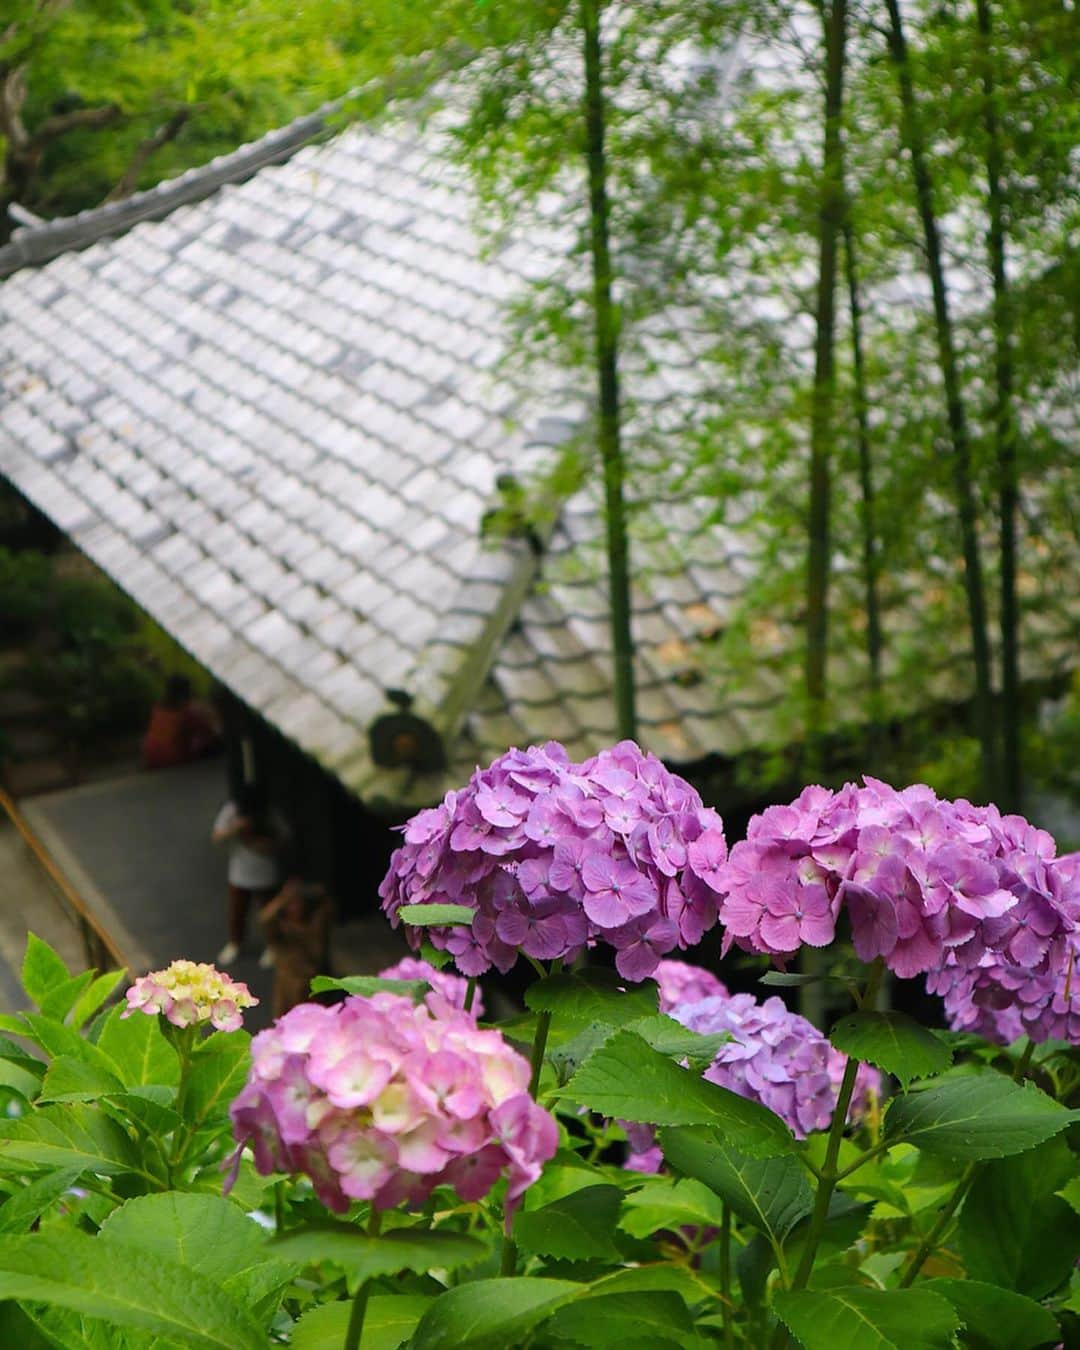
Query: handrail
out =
(101, 949)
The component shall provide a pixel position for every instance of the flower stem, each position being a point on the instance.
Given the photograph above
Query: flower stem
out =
(508, 1264)
(543, 1027)
(930, 1241)
(725, 1276)
(470, 993)
(355, 1328)
(830, 1174)
(1024, 1062)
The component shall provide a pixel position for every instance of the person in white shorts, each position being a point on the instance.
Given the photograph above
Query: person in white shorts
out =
(256, 838)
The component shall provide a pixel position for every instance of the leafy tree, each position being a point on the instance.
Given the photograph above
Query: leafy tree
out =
(101, 97)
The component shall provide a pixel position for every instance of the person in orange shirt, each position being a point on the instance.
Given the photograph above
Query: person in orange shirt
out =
(180, 731)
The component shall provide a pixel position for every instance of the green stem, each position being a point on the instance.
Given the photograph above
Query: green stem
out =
(930, 1241)
(470, 993)
(279, 1207)
(1024, 1062)
(543, 1027)
(360, 1301)
(508, 1264)
(725, 1275)
(830, 1174)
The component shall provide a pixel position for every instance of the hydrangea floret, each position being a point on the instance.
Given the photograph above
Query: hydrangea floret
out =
(188, 993)
(973, 899)
(382, 1099)
(452, 987)
(554, 856)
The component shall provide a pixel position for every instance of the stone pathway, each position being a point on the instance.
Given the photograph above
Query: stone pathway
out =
(28, 902)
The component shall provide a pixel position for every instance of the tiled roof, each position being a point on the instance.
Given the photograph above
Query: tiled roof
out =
(274, 416)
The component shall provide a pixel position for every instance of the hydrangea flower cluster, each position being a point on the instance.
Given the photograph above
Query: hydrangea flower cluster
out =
(553, 856)
(774, 1057)
(452, 987)
(680, 982)
(382, 1099)
(971, 898)
(188, 993)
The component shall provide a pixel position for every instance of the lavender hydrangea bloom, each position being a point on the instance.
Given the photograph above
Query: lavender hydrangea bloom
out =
(774, 1057)
(970, 898)
(555, 856)
(382, 1099)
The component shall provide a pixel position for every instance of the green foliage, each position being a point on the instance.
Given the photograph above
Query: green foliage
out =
(24, 589)
(894, 1042)
(627, 1079)
(987, 1116)
(114, 1233)
(869, 1319)
(435, 916)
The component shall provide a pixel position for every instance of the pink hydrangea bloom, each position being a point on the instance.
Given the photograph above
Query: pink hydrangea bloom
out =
(555, 856)
(381, 1099)
(188, 993)
(972, 899)
(452, 987)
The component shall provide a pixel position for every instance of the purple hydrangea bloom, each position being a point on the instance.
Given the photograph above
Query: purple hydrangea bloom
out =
(681, 982)
(381, 1099)
(972, 899)
(555, 856)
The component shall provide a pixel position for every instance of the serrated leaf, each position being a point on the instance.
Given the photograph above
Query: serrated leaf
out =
(892, 1041)
(981, 1116)
(868, 1319)
(628, 1079)
(771, 1194)
(26, 1205)
(491, 1314)
(436, 916)
(592, 997)
(655, 1317)
(576, 1227)
(671, 1038)
(1014, 1231)
(66, 1136)
(388, 1322)
(95, 996)
(370, 984)
(361, 1256)
(661, 1205)
(67, 1269)
(219, 1069)
(785, 979)
(70, 1079)
(996, 1319)
(60, 1000)
(1071, 1194)
(42, 969)
(153, 1115)
(56, 1040)
(22, 1081)
(138, 1050)
(204, 1233)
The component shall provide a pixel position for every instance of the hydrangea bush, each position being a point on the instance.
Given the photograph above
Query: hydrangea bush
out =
(640, 1155)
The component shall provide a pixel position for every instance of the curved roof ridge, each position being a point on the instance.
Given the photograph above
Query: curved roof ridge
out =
(32, 245)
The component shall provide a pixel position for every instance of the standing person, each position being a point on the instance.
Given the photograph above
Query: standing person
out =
(181, 729)
(256, 837)
(297, 928)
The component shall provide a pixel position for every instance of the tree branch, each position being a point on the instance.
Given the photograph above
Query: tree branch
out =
(92, 119)
(167, 132)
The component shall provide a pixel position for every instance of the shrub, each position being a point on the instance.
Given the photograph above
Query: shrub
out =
(474, 1213)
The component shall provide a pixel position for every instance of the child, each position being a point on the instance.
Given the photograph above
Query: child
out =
(297, 928)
